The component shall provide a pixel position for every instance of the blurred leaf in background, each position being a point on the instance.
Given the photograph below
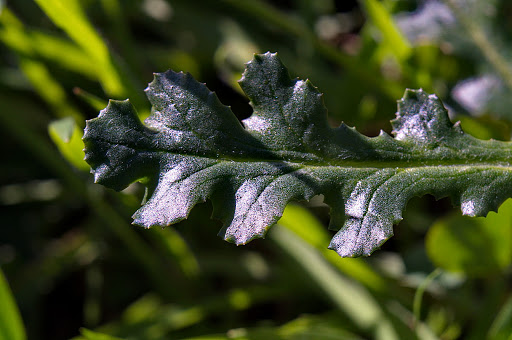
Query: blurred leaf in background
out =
(77, 268)
(480, 35)
(11, 325)
(474, 246)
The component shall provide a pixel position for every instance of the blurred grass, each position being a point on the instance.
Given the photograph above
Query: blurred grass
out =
(72, 258)
(11, 325)
(70, 17)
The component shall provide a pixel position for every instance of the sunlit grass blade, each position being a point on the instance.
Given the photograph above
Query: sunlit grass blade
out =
(95, 102)
(63, 52)
(304, 224)
(351, 298)
(502, 325)
(392, 37)
(70, 17)
(173, 245)
(51, 48)
(87, 334)
(49, 89)
(11, 325)
(14, 36)
(418, 297)
(68, 138)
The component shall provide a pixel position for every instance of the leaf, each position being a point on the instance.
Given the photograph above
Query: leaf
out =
(326, 327)
(66, 136)
(381, 18)
(477, 247)
(501, 328)
(192, 148)
(476, 33)
(70, 17)
(11, 324)
(353, 300)
(91, 335)
(301, 222)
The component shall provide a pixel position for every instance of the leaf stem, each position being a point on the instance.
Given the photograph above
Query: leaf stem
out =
(418, 296)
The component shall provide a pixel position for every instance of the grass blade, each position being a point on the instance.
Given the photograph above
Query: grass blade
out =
(70, 17)
(11, 325)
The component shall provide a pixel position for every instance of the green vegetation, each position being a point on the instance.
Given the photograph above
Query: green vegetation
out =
(194, 149)
(75, 267)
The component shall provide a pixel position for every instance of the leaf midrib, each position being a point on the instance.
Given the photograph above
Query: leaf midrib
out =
(360, 164)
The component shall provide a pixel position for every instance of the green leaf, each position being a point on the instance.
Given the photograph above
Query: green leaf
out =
(11, 325)
(355, 301)
(325, 327)
(192, 148)
(304, 224)
(474, 246)
(70, 17)
(501, 328)
(382, 19)
(91, 335)
(66, 136)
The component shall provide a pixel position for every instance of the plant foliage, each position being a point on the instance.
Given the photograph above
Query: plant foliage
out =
(193, 148)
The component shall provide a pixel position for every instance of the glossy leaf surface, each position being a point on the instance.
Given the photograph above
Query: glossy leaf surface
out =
(193, 148)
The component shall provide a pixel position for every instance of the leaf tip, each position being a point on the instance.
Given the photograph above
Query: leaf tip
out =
(242, 236)
(361, 236)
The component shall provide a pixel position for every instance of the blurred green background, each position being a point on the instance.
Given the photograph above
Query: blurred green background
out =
(72, 264)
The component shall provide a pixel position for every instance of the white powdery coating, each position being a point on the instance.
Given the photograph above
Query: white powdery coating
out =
(170, 203)
(360, 236)
(356, 204)
(468, 208)
(260, 202)
(251, 206)
(173, 175)
(412, 127)
(255, 123)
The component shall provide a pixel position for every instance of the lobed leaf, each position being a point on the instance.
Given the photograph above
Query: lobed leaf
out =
(192, 148)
